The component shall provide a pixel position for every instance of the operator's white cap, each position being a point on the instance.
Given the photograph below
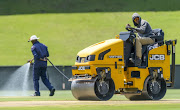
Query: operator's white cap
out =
(33, 37)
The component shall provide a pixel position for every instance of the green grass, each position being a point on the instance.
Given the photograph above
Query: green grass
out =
(67, 96)
(59, 95)
(67, 33)
(68, 26)
(101, 107)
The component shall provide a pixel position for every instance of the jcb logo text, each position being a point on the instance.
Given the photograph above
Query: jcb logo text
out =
(156, 57)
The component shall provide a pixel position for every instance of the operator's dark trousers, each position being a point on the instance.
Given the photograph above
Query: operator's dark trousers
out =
(40, 72)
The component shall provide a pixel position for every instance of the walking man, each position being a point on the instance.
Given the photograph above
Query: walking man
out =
(40, 53)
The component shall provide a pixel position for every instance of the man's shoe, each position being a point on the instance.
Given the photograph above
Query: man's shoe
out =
(52, 92)
(138, 62)
(36, 94)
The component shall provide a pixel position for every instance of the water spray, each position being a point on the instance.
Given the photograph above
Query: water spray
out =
(17, 84)
(58, 69)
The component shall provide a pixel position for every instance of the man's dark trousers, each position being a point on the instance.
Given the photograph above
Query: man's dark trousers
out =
(40, 72)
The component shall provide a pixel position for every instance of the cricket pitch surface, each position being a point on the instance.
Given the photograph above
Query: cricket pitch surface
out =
(66, 103)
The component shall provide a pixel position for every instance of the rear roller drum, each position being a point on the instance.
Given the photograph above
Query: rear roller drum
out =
(153, 90)
(93, 89)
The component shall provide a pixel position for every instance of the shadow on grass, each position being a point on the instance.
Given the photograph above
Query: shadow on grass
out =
(11, 7)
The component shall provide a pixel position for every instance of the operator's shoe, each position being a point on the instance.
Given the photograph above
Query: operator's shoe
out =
(132, 60)
(52, 92)
(138, 61)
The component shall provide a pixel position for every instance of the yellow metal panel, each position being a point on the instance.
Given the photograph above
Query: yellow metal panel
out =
(161, 60)
(137, 82)
(118, 76)
(116, 53)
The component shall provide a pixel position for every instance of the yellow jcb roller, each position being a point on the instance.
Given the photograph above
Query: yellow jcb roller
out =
(109, 67)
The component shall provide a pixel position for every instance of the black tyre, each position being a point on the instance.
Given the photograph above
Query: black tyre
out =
(156, 90)
(104, 90)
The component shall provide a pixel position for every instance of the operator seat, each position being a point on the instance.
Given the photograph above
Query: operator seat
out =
(158, 37)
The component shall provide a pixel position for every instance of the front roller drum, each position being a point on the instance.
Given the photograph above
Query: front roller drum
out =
(153, 90)
(93, 89)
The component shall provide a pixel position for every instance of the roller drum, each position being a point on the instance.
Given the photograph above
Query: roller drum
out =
(84, 89)
(92, 89)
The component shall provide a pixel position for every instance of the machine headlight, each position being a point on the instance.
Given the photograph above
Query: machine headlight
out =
(85, 59)
(78, 59)
(90, 58)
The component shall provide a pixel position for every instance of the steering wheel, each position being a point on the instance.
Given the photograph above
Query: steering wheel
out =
(128, 29)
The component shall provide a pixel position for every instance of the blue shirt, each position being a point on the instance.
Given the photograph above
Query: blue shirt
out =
(39, 50)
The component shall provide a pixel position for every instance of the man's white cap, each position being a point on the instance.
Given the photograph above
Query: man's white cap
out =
(33, 37)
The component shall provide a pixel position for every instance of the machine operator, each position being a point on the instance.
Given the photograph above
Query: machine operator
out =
(144, 31)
